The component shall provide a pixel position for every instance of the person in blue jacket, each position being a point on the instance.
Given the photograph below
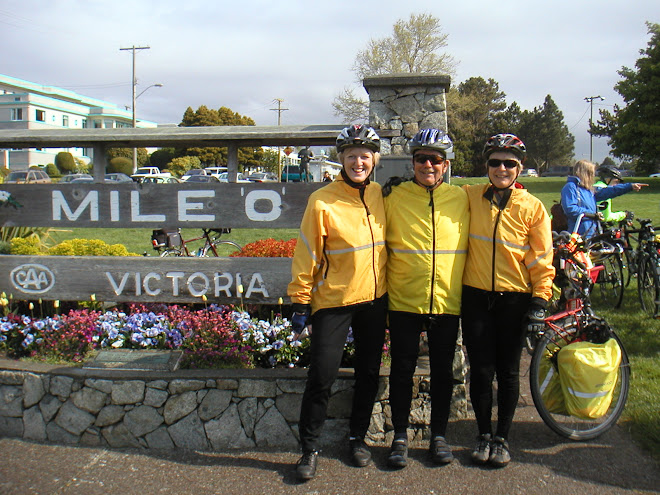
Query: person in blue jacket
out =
(579, 196)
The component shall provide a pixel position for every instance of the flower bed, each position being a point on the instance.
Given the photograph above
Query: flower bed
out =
(213, 337)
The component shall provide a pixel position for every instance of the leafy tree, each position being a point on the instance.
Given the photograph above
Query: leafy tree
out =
(142, 155)
(609, 162)
(179, 166)
(634, 130)
(203, 116)
(162, 157)
(121, 164)
(546, 136)
(413, 47)
(65, 163)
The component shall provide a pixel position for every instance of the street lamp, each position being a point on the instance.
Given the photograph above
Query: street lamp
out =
(134, 85)
(591, 99)
(157, 85)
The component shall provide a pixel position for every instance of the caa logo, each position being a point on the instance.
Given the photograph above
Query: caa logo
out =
(32, 278)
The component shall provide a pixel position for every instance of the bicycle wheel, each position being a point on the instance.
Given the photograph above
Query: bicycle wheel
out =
(171, 252)
(551, 409)
(648, 285)
(609, 285)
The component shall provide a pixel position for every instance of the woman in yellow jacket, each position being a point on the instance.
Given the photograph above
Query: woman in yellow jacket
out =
(339, 282)
(507, 283)
(427, 237)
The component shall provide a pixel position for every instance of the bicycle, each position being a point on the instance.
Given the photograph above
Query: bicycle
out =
(643, 263)
(172, 243)
(607, 249)
(575, 323)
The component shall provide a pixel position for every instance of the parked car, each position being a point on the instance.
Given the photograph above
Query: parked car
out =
(31, 176)
(71, 177)
(193, 173)
(82, 180)
(240, 178)
(654, 175)
(292, 173)
(202, 178)
(215, 171)
(143, 172)
(529, 172)
(262, 177)
(160, 180)
(117, 177)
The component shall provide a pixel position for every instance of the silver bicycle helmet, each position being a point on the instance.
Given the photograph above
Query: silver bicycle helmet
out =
(432, 139)
(358, 135)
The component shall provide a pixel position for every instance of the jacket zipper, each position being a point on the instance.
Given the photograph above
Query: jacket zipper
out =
(373, 243)
(432, 205)
(497, 221)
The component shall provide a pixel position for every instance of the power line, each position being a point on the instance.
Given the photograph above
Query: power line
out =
(279, 110)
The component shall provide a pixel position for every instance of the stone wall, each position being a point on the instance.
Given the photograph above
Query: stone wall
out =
(407, 103)
(190, 409)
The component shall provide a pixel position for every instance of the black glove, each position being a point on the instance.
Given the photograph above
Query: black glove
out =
(391, 182)
(301, 313)
(535, 317)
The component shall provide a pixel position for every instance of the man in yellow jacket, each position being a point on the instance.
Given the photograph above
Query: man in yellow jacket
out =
(338, 282)
(427, 238)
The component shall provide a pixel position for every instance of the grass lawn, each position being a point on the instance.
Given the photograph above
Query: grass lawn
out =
(640, 334)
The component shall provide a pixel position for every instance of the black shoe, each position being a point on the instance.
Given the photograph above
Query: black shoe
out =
(481, 452)
(499, 453)
(398, 457)
(360, 454)
(440, 451)
(306, 466)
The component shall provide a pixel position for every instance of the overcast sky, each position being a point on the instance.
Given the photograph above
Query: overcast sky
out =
(245, 54)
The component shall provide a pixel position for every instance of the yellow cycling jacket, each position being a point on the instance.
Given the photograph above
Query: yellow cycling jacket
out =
(340, 256)
(510, 249)
(427, 240)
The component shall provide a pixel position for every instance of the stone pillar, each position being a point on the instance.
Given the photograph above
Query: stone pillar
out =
(406, 102)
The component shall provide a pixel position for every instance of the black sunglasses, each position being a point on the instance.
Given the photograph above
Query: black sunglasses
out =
(434, 159)
(495, 163)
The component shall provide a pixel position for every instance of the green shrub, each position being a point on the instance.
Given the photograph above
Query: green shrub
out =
(179, 166)
(52, 170)
(5, 247)
(121, 164)
(65, 163)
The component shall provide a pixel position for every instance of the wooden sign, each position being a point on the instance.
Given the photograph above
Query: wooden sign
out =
(259, 205)
(145, 279)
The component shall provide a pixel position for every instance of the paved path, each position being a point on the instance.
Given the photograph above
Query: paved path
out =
(542, 463)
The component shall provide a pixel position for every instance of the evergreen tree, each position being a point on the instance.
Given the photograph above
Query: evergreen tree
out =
(634, 130)
(546, 136)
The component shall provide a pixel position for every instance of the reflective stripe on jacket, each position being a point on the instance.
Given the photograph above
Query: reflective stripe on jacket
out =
(510, 250)
(427, 238)
(340, 256)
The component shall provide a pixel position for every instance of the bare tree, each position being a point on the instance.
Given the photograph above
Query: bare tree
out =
(413, 47)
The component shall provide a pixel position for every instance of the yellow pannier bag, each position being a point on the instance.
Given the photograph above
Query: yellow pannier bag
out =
(552, 392)
(588, 374)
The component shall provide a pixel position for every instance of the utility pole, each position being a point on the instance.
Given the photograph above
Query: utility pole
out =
(279, 111)
(134, 84)
(591, 99)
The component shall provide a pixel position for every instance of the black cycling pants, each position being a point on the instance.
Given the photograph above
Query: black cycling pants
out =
(493, 334)
(442, 332)
(329, 331)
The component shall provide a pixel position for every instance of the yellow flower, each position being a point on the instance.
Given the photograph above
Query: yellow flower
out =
(240, 288)
(31, 306)
(3, 295)
(56, 303)
(280, 302)
(204, 298)
(92, 297)
(4, 301)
